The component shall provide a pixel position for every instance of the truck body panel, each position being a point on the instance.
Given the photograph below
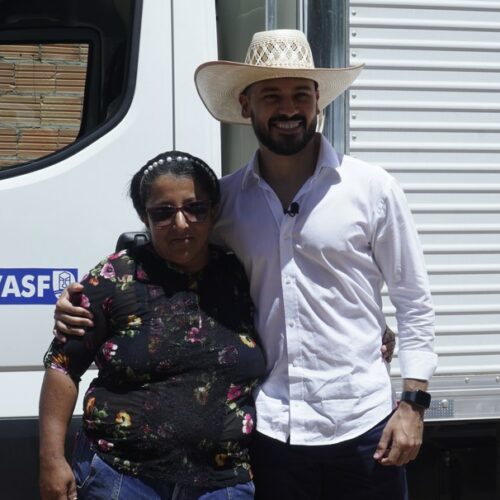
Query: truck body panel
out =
(426, 108)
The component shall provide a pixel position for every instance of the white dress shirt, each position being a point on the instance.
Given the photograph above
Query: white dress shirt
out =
(316, 281)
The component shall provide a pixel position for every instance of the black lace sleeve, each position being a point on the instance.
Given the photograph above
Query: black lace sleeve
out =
(74, 356)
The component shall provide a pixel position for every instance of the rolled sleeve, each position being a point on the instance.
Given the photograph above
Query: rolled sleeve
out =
(419, 365)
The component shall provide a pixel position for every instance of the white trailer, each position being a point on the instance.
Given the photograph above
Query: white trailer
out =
(426, 108)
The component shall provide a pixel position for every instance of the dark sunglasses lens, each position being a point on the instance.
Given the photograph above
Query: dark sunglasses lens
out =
(161, 214)
(196, 212)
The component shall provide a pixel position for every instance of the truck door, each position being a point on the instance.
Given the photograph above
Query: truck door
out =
(89, 91)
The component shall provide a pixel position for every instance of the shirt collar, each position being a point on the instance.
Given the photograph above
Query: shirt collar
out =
(252, 172)
(327, 158)
(151, 268)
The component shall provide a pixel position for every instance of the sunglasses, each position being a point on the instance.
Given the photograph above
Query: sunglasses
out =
(196, 211)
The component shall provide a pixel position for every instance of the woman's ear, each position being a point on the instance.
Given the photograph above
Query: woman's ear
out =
(145, 221)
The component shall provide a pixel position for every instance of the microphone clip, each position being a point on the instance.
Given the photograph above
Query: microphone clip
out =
(293, 209)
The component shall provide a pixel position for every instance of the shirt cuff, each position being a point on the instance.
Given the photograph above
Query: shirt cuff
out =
(418, 365)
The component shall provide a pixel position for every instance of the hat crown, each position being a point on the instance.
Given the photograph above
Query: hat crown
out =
(280, 49)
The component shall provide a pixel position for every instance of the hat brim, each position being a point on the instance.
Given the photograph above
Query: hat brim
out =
(220, 83)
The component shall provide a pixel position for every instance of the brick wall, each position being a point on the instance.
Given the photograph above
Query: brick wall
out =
(41, 99)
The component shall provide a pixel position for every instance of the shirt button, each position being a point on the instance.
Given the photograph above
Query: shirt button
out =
(291, 324)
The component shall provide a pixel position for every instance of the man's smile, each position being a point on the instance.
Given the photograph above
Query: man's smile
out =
(284, 125)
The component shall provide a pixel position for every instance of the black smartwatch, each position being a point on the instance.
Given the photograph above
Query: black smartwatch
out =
(419, 399)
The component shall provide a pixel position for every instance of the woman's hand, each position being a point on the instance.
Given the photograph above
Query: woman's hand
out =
(57, 481)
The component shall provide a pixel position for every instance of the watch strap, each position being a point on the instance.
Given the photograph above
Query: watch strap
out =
(420, 399)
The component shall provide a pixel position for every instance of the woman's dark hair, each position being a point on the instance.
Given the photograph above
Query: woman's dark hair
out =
(177, 164)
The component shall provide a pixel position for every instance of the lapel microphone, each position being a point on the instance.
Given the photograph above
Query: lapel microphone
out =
(292, 210)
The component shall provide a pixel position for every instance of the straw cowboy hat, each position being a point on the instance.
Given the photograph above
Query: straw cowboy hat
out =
(272, 54)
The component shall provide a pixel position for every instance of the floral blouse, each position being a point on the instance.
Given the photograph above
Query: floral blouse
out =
(177, 358)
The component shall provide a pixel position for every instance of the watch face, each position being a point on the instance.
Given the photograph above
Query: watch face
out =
(423, 399)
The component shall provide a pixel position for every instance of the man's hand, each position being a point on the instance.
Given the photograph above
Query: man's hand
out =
(70, 319)
(388, 344)
(402, 436)
(57, 481)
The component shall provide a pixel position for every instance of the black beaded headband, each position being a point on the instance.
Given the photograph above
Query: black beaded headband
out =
(161, 161)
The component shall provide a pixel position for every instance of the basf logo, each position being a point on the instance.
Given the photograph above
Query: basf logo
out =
(34, 286)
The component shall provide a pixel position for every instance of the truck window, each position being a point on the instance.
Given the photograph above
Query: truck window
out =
(64, 72)
(41, 100)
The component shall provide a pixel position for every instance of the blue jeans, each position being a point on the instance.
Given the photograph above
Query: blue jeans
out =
(96, 480)
(343, 471)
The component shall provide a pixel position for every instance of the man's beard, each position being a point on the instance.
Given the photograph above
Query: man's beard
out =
(286, 145)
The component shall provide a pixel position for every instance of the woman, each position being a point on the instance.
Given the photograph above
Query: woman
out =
(170, 413)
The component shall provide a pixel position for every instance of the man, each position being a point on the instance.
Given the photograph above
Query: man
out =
(319, 233)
